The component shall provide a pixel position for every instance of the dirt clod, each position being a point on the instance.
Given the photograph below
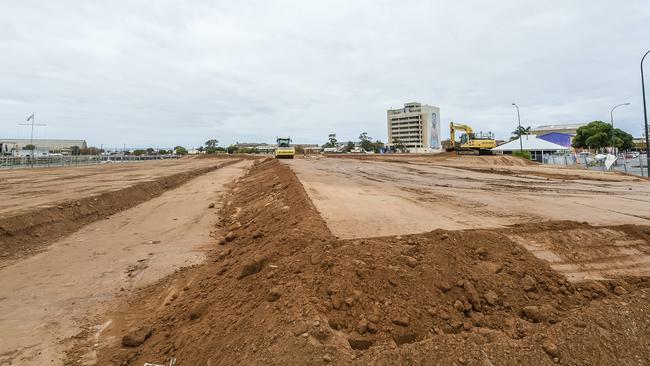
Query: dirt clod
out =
(534, 313)
(362, 326)
(401, 320)
(410, 261)
(458, 305)
(274, 294)
(491, 297)
(620, 290)
(472, 295)
(551, 348)
(136, 337)
(529, 283)
(372, 328)
(252, 266)
(481, 252)
(359, 343)
(403, 338)
(230, 236)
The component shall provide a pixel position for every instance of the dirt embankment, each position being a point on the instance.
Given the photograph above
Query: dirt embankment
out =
(282, 290)
(446, 158)
(30, 231)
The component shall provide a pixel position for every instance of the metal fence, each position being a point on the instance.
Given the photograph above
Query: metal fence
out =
(624, 163)
(9, 162)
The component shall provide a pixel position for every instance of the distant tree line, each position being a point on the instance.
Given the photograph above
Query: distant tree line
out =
(365, 142)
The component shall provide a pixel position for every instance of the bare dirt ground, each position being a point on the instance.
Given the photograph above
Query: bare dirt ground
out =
(363, 198)
(24, 189)
(413, 197)
(284, 290)
(49, 297)
(59, 201)
(437, 260)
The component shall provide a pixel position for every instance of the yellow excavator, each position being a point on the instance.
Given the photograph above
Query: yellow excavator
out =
(470, 142)
(284, 149)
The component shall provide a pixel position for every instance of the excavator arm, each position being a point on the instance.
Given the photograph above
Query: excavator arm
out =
(452, 129)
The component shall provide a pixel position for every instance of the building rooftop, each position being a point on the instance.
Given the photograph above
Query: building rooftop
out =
(530, 142)
(42, 140)
(560, 126)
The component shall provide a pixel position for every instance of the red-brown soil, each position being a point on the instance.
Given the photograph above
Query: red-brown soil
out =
(446, 158)
(280, 289)
(28, 231)
(48, 298)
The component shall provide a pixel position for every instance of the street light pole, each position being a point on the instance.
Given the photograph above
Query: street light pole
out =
(645, 117)
(33, 123)
(521, 146)
(611, 119)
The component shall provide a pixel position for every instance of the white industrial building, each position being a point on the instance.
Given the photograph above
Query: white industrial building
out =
(416, 126)
(16, 146)
(536, 146)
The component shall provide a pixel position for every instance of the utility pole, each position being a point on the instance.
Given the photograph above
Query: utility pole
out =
(521, 146)
(33, 123)
(611, 119)
(645, 117)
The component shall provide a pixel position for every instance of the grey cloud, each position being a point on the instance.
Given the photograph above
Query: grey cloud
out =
(166, 73)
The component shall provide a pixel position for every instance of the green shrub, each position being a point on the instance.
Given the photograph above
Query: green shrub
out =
(522, 154)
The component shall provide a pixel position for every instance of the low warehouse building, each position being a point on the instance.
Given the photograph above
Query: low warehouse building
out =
(50, 145)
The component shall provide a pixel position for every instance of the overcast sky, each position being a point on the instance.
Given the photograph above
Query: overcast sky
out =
(162, 73)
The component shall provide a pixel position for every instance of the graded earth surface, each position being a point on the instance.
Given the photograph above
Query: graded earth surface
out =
(434, 260)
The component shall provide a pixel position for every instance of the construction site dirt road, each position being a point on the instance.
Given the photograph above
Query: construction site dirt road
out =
(372, 260)
(46, 296)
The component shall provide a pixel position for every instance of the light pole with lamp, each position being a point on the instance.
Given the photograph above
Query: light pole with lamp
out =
(521, 146)
(611, 119)
(645, 117)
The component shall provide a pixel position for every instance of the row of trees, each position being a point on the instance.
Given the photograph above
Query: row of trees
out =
(212, 147)
(178, 150)
(151, 151)
(365, 142)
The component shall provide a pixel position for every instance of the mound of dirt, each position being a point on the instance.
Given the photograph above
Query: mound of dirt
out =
(30, 231)
(280, 289)
(445, 158)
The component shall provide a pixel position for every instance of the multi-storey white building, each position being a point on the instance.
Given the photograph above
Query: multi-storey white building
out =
(416, 126)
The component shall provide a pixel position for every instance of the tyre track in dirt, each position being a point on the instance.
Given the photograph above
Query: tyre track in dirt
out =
(49, 297)
(30, 231)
